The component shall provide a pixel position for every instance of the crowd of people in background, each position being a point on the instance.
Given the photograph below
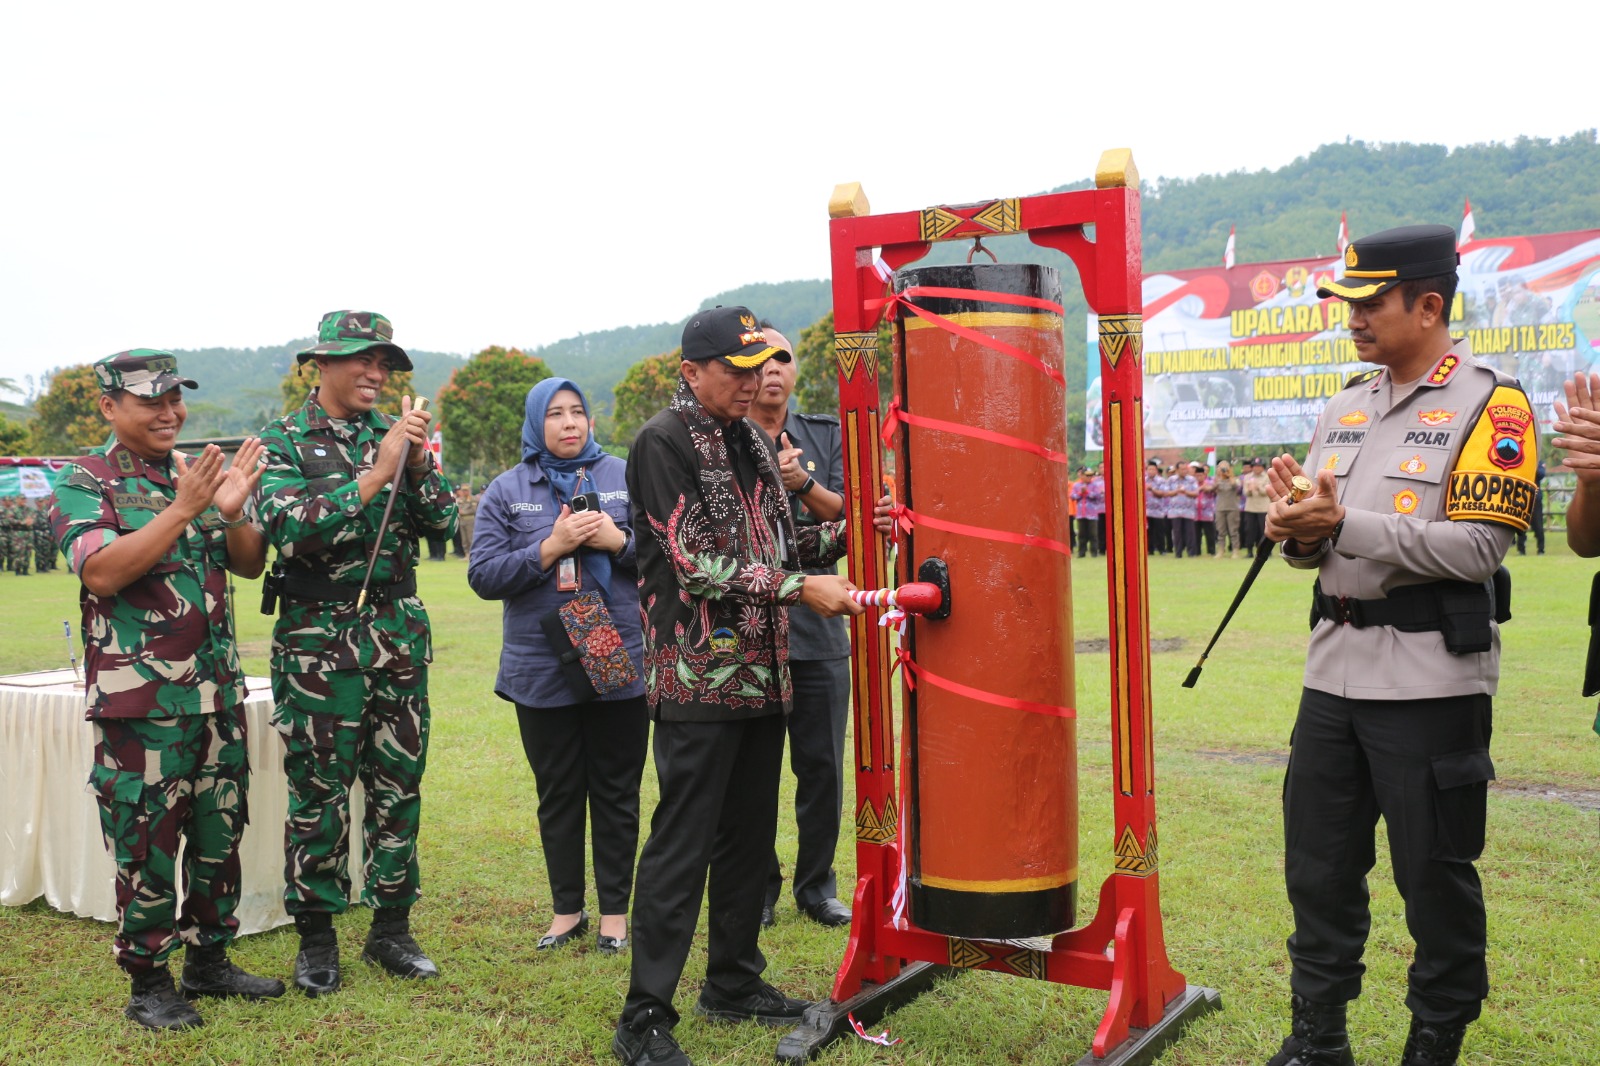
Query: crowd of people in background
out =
(1189, 508)
(25, 539)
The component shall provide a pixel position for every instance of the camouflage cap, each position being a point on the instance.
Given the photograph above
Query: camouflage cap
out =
(141, 371)
(345, 333)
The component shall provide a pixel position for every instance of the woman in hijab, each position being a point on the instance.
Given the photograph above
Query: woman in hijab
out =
(554, 535)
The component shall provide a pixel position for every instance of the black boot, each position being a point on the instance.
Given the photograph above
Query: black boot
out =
(207, 972)
(316, 968)
(1432, 1045)
(389, 945)
(1317, 1037)
(155, 1003)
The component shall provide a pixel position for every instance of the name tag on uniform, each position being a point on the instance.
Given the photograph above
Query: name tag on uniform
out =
(138, 501)
(567, 574)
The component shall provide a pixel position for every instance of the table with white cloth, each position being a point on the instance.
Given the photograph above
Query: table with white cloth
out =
(50, 842)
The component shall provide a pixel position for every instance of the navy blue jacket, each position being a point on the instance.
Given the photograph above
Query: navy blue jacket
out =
(515, 514)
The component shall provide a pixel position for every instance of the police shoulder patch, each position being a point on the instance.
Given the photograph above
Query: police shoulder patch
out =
(1362, 377)
(1493, 478)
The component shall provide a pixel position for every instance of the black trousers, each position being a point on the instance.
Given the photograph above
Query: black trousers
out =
(1252, 528)
(718, 813)
(1183, 537)
(1206, 529)
(588, 756)
(1088, 537)
(1158, 533)
(816, 756)
(1424, 766)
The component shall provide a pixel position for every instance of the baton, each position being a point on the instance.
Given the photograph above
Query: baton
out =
(1299, 488)
(388, 509)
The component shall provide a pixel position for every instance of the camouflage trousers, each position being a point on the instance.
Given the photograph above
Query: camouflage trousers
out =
(162, 783)
(21, 550)
(44, 553)
(338, 727)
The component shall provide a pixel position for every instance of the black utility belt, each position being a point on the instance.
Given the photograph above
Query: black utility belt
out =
(303, 587)
(1461, 610)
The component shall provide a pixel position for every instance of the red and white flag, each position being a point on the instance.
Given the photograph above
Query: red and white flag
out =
(1227, 253)
(1468, 228)
(1344, 235)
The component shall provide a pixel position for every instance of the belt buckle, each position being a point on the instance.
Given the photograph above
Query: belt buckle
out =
(1344, 610)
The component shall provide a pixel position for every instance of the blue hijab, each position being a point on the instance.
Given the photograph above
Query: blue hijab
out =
(563, 473)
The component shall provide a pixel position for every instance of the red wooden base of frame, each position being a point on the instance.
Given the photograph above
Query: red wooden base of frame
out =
(1122, 949)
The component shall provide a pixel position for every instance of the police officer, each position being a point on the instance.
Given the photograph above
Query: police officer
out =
(811, 466)
(1424, 471)
(150, 536)
(351, 681)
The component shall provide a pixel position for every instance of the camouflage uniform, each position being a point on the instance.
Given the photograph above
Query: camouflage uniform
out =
(166, 695)
(19, 533)
(5, 533)
(44, 540)
(351, 687)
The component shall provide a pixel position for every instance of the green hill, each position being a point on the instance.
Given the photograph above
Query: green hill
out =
(1528, 186)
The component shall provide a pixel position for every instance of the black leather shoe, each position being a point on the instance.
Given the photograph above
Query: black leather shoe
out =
(399, 954)
(1317, 1036)
(207, 972)
(647, 1042)
(556, 940)
(1432, 1045)
(611, 945)
(829, 912)
(390, 945)
(316, 967)
(769, 915)
(765, 1005)
(155, 1003)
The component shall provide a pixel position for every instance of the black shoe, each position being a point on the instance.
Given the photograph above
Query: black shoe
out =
(155, 1003)
(317, 964)
(555, 940)
(646, 1042)
(1317, 1037)
(765, 1005)
(390, 945)
(828, 912)
(611, 945)
(769, 915)
(207, 972)
(1432, 1045)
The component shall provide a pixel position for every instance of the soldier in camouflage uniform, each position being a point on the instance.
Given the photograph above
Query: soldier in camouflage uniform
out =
(150, 536)
(351, 682)
(5, 533)
(19, 533)
(44, 540)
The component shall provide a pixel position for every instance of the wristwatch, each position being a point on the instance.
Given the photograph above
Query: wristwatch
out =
(810, 484)
(234, 523)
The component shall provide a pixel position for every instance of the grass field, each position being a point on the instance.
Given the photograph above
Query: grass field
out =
(1220, 751)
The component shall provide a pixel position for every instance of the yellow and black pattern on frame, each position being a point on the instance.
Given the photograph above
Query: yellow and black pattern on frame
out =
(1133, 859)
(875, 828)
(853, 350)
(1000, 216)
(1122, 335)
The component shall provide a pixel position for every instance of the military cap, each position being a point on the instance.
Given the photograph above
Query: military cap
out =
(345, 333)
(731, 335)
(141, 371)
(1374, 265)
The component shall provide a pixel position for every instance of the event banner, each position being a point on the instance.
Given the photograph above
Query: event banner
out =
(33, 482)
(1249, 355)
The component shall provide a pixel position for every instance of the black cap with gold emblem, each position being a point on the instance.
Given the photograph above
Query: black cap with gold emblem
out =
(731, 335)
(1376, 264)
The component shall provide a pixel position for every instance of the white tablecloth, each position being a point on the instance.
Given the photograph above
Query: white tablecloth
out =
(50, 842)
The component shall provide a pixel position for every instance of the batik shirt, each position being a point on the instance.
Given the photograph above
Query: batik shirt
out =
(163, 646)
(719, 565)
(310, 505)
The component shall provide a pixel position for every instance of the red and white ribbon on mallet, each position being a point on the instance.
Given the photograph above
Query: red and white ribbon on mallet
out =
(916, 597)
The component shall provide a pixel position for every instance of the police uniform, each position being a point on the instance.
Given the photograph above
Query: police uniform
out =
(819, 667)
(1395, 715)
(171, 766)
(350, 685)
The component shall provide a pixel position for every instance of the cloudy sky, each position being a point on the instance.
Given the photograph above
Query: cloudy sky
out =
(190, 175)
